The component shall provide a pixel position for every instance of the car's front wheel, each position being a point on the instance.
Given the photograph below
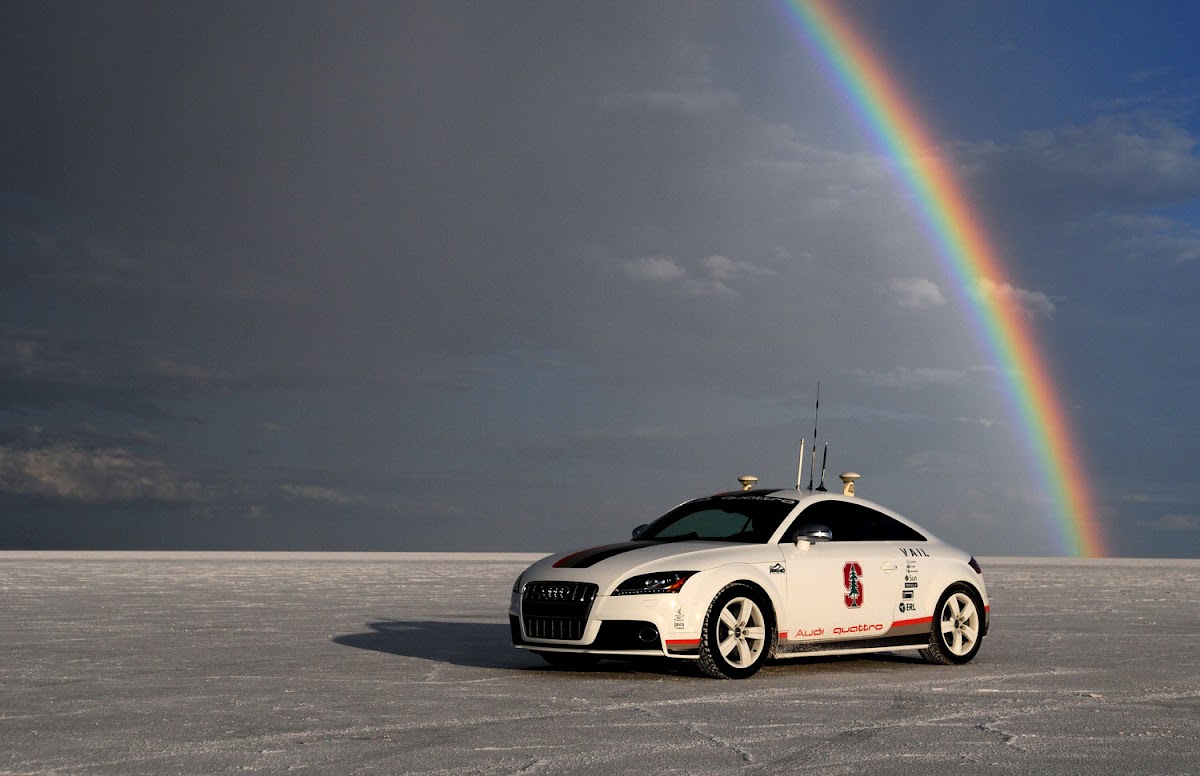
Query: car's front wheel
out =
(957, 631)
(738, 632)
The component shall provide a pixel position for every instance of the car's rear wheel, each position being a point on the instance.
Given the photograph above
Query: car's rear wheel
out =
(569, 661)
(738, 633)
(957, 631)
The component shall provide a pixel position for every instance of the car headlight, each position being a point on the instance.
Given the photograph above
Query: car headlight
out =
(517, 584)
(660, 582)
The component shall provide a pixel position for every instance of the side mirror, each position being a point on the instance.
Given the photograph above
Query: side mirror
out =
(812, 533)
(638, 531)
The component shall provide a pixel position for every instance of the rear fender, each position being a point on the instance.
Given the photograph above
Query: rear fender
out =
(933, 585)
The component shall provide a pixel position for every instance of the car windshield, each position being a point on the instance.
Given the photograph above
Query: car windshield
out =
(740, 517)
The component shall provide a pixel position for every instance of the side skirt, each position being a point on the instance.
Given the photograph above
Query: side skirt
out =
(803, 648)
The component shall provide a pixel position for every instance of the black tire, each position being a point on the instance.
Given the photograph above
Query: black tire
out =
(957, 630)
(750, 640)
(569, 661)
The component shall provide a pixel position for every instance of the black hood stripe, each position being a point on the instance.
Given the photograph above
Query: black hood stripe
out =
(588, 558)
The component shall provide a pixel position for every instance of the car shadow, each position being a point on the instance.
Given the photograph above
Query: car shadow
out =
(479, 645)
(489, 645)
(476, 644)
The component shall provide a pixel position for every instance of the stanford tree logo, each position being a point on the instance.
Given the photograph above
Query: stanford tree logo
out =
(852, 579)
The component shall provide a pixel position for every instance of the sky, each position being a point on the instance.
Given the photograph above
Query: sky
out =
(522, 276)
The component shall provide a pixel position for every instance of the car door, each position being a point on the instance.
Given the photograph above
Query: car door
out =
(845, 588)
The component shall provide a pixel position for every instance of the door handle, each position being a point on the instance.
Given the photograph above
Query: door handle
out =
(888, 566)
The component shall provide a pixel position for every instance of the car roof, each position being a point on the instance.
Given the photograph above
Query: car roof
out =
(805, 497)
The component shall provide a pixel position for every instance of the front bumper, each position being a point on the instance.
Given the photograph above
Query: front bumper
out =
(652, 624)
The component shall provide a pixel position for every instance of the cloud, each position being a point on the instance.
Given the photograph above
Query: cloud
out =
(49, 358)
(692, 104)
(1031, 303)
(941, 462)
(1175, 249)
(1117, 162)
(371, 223)
(656, 268)
(722, 268)
(1152, 237)
(85, 259)
(1174, 522)
(43, 369)
(713, 277)
(604, 440)
(916, 293)
(71, 473)
(1149, 74)
(318, 493)
(83, 435)
(910, 377)
(985, 422)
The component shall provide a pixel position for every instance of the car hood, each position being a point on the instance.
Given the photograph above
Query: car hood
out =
(610, 564)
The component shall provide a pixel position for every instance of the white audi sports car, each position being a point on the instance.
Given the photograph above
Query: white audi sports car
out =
(735, 579)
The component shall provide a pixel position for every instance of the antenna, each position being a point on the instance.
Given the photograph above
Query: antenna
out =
(813, 461)
(824, 458)
(800, 468)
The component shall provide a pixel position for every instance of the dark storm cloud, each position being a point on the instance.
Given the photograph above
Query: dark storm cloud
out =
(426, 273)
(368, 189)
(371, 176)
(42, 369)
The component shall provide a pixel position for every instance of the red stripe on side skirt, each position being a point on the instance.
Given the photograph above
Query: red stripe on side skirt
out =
(683, 642)
(917, 621)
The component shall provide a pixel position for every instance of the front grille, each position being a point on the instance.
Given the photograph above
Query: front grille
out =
(556, 610)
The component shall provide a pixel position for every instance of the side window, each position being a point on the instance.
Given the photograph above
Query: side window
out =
(824, 513)
(877, 527)
(857, 523)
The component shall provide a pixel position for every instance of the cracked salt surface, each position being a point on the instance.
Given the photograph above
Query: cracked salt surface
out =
(148, 663)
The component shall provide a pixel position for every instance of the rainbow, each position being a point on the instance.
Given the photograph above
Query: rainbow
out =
(970, 258)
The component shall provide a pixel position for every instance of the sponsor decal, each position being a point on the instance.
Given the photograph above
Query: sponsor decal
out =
(910, 577)
(914, 552)
(806, 634)
(759, 498)
(864, 628)
(907, 607)
(907, 594)
(778, 569)
(910, 584)
(680, 619)
(852, 579)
